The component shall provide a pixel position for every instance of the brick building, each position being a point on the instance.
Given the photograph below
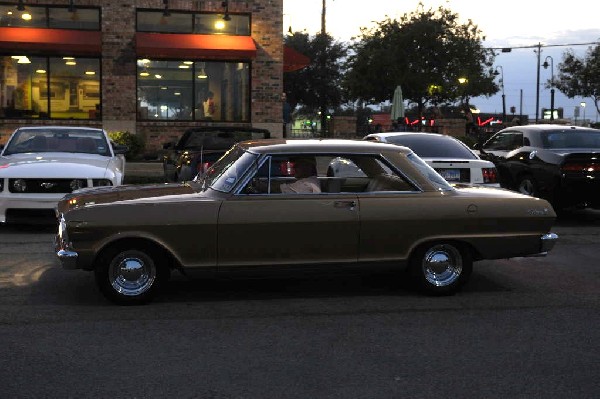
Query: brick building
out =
(153, 67)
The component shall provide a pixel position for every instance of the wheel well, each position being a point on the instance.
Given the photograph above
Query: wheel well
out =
(461, 245)
(140, 243)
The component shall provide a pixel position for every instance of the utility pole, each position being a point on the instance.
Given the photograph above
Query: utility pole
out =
(323, 12)
(537, 86)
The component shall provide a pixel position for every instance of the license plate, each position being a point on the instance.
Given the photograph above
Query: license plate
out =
(450, 174)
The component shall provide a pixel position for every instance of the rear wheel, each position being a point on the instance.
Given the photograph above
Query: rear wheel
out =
(528, 186)
(441, 268)
(131, 275)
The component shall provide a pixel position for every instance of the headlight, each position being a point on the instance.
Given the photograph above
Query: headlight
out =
(19, 185)
(76, 184)
(101, 182)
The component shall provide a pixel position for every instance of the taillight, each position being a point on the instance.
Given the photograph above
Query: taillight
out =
(287, 168)
(489, 175)
(203, 167)
(580, 167)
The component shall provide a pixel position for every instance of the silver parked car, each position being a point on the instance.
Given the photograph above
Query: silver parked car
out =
(449, 156)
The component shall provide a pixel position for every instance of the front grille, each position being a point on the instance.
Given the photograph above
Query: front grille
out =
(44, 186)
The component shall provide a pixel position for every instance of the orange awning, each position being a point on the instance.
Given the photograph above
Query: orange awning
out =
(62, 41)
(293, 60)
(175, 45)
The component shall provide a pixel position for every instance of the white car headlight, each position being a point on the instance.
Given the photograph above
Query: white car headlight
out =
(19, 185)
(76, 184)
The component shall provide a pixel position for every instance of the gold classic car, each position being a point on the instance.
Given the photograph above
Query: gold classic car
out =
(318, 203)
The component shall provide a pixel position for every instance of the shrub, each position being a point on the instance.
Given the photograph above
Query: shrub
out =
(134, 143)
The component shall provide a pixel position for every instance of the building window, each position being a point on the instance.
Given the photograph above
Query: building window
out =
(49, 87)
(205, 23)
(50, 17)
(199, 91)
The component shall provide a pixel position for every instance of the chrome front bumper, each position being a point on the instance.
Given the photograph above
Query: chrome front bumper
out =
(66, 256)
(548, 241)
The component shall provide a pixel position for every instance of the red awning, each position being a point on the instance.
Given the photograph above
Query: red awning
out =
(175, 45)
(293, 60)
(63, 41)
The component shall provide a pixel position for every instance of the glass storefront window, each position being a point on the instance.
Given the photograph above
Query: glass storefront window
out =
(207, 24)
(186, 90)
(50, 17)
(216, 24)
(42, 87)
(78, 18)
(30, 17)
(157, 21)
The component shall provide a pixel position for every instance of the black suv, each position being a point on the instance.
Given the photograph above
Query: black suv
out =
(200, 147)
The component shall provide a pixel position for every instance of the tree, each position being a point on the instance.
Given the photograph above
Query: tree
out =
(425, 52)
(580, 76)
(317, 88)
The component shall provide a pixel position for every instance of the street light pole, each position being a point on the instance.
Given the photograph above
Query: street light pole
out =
(583, 104)
(551, 84)
(502, 86)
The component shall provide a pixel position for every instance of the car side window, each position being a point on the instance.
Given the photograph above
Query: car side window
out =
(507, 141)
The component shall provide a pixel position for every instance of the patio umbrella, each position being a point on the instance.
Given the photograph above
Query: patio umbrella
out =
(397, 104)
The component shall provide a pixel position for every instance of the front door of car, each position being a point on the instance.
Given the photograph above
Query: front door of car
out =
(287, 229)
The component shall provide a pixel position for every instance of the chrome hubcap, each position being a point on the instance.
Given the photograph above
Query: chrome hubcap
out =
(132, 276)
(442, 265)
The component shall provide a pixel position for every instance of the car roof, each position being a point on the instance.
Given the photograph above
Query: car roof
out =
(548, 127)
(70, 128)
(320, 146)
(396, 134)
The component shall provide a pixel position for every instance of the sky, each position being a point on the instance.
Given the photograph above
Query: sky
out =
(505, 23)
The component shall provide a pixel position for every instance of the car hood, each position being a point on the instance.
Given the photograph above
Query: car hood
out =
(128, 192)
(54, 165)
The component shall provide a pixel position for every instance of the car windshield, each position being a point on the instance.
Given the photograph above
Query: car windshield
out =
(229, 169)
(571, 139)
(87, 141)
(434, 177)
(427, 146)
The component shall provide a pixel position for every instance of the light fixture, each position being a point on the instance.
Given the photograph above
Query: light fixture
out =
(157, 76)
(68, 58)
(202, 72)
(90, 72)
(40, 71)
(184, 66)
(24, 60)
(144, 73)
(26, 16)
(20, 6)
(70, 62)
(219, 25)
(226, 17)
(188, 62)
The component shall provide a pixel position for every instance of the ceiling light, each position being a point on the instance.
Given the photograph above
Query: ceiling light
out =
(183, 66)
(40, 71)
(90, 72)
(144, 73)
(157, 76)
(219, 25)
(70, 62)
(26, 16)
(24, 60)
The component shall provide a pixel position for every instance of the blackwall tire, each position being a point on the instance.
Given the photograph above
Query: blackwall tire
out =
(528, 186)
(441, 268)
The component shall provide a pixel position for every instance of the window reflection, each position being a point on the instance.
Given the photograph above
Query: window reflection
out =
(186, 90)
(50, 17)
(42, 87)
(207, 23)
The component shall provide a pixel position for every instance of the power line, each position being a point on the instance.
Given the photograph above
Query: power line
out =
(509, 48)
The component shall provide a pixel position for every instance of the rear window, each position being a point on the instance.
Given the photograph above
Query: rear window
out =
(571, 139)
(433, 147)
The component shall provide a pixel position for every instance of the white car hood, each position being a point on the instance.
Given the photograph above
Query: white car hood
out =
(54, 165)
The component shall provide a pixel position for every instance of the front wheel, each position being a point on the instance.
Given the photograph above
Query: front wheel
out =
(441, 268)
(131, 276)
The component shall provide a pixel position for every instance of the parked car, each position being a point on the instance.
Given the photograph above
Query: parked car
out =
(401, 212)
(39, 165)
(449, 156)
(558, 163)
(200, 147)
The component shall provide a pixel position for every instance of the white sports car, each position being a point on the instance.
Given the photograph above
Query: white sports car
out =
(39, 165)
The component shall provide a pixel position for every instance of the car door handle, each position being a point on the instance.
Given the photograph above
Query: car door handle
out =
(345, 204)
